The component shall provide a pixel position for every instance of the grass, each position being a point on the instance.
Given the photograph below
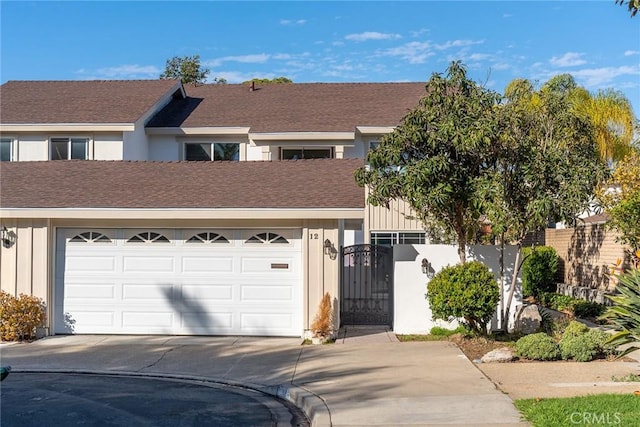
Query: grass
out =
(436, 334)
(594, 410)
(627, 378)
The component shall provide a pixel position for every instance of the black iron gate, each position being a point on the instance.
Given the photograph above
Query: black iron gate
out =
(366, 287)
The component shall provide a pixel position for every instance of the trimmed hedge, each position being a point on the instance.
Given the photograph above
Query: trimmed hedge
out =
(19, 317)
(538, 346)
(539, 270)
(467, 291)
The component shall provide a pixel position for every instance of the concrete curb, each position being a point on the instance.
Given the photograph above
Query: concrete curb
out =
(312, 405)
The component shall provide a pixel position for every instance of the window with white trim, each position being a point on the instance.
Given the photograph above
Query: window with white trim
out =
(69, 148)
(261, 238)
(207, 237)
(391, 238)
(306, 153)
(90, 237)
(211, 151)
(6, 149)
(148, 237)
(373, 145)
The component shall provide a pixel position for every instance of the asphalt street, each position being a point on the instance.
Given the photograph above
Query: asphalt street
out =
(62, 399)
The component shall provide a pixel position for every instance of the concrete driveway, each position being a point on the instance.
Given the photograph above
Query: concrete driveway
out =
(371, 383)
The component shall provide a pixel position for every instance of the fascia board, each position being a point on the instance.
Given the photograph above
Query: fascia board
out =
(197, 130)
(67, 127)
(302, 136)
(186, 214)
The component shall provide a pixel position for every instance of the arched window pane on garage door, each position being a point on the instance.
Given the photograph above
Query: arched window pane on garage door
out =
(90, 237)
(148, 237)
(267, 238)
(207, 237)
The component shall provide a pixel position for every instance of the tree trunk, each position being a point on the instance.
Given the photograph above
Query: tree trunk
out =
(512, 289)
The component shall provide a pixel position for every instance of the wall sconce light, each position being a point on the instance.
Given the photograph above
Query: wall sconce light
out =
(329, 249)
(427, 268)
(6, 237)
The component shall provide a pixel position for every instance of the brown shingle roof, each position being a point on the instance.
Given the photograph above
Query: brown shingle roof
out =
(298, 107)
(111, 101)
(318, 183)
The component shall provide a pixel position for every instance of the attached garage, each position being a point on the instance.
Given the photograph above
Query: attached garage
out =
(180, 248)
(179, 281)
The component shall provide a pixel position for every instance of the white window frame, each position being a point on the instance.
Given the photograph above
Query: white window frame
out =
(13, 155)
(69, 138)
(397, 237)
(332, 150)
(212, 143)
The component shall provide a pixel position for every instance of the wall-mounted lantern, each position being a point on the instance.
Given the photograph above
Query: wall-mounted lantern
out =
(6, 237)
(329, 249)
(427, 268)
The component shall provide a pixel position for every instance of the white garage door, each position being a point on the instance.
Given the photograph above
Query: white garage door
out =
(166, 281)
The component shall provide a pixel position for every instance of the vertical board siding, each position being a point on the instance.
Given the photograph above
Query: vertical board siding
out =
(587, 254)
(399, 217)
(24, 266)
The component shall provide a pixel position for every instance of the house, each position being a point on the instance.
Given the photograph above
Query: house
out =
(160, 236)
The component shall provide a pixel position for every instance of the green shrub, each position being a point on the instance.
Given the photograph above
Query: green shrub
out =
(556, 301)
(601, 339)
(539, 270)
(578, 347)
(574, 328)
(538, 346)
(587, 309)
(19, 317)
(467, 291)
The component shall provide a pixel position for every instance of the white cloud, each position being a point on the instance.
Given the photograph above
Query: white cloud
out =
(599, 76)
(419, 32)
(457, 43)
(631, 52)
(371, 35)
(293, 22)
(569, 59)
(129, 71)
(412, 52)
(259, 58)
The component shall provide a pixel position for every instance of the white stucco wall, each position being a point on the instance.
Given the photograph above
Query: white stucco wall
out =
(107, 146)
(33, 147)
(164, 148)
(412, 314)
(135, 143)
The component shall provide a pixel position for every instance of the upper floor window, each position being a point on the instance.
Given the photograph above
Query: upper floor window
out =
(398, 238)
(306, 153)
(6, 149)
(69, 148)
(207, 151)
(373, 145)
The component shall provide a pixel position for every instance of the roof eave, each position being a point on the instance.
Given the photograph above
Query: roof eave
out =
(186, 213)
(66, 127)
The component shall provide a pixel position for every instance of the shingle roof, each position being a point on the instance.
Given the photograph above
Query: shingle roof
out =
(317, 183)
(298, 107)
(110, 101)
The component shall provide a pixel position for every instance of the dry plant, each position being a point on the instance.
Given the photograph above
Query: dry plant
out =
(322, 325)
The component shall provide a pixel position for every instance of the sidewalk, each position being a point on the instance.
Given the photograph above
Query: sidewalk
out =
(374, 384)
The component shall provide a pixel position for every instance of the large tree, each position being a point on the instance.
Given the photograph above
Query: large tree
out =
(547, 165)
(275, 80)
(187, 69)
(435, 158)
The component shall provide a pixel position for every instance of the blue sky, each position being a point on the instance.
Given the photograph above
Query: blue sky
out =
(596, 41)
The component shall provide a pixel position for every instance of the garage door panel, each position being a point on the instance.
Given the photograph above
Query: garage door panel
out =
(181, 287)
(86, 321)
(156, 264)
(207, 292)
(267, 293)
(209, 322)
(90, 291)
(207, 264)
(267, 265)
(147, 291)
(105, 264)
(149, 319)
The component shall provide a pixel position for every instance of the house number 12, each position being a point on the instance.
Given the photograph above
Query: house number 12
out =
(313, 236)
